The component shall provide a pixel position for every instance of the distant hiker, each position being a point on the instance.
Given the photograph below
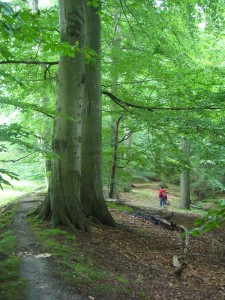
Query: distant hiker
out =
(162, 196)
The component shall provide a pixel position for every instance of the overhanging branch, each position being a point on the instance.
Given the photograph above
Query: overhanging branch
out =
(23, 62)
(125, 105)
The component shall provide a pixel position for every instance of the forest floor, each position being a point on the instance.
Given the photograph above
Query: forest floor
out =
(130, 262)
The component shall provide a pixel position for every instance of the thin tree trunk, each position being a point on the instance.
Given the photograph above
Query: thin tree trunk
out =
(113, 192)
(93, 202)
(127, 148)
(113, 187)
(185, 202)
(62, 205)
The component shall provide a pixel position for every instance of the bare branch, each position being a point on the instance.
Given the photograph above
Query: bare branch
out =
(126, 137)
(131, 28)
(123, 167)
(11, 160)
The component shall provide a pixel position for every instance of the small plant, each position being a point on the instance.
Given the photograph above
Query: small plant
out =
(142, 295)
(122, 280)
(212, 219)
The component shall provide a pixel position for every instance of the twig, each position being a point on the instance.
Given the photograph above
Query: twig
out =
(139, 261)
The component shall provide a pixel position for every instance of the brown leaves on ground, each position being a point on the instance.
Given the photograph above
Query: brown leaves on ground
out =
(142, 253)
(139, 255)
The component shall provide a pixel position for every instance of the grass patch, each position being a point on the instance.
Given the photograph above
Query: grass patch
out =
(119, 207)
(11, 286)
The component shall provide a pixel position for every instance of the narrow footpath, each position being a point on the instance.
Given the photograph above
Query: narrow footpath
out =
(36, 266)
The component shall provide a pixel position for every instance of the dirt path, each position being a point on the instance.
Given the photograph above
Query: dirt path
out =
(36, 266)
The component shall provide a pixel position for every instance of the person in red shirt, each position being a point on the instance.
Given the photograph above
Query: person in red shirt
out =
(162, 196)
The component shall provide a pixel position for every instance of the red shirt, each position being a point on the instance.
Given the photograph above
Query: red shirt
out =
(162, 193)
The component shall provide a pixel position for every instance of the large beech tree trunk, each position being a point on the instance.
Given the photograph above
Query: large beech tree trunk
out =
(92, 198)
(62, 205)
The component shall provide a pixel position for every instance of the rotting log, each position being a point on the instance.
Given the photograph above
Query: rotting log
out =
(157, 220)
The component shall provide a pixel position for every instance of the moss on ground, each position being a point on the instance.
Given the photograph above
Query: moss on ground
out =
(11, 285)
(73, 266)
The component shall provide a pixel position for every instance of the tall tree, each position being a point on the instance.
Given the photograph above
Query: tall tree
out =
(91, 182)
(62, 205)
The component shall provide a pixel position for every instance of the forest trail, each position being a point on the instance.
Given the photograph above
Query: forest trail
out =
(36, 267)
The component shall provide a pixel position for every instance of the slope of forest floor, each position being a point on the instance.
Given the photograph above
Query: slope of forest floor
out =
(130, 262)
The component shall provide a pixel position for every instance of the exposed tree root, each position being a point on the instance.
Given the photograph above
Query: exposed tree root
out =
(61, 217)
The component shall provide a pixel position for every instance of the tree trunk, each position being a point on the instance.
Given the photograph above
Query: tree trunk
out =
(185, 202)
(113, 187)
(93, 202)
(113, 191)
(127, 149)
(62, 205)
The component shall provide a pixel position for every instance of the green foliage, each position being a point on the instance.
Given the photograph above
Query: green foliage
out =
(164, 55)
(11, 175)
(213, 219)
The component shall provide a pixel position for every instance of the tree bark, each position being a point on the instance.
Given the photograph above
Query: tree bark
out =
(92, 198)
(185, 202)
(62, 205)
